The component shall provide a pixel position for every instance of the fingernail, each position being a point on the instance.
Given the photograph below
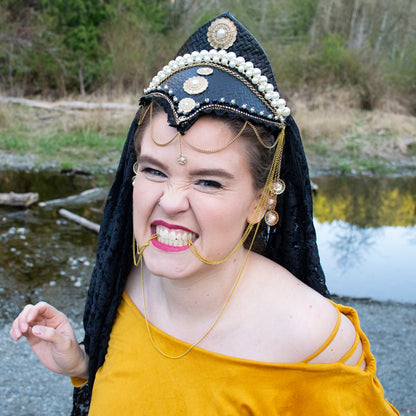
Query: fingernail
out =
(37, 330)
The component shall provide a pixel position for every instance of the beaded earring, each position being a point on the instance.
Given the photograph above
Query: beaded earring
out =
(271, 217)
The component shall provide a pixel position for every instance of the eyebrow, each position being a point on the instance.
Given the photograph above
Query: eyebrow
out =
(210, 172)
(220, 173)
(151, 160)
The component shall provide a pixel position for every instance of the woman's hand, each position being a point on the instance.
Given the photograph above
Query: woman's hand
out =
(52, 339)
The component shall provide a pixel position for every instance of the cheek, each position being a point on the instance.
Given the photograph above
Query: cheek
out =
(142, 208)
(229, 215)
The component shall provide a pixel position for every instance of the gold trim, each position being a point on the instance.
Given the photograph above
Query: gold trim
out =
(181, 118)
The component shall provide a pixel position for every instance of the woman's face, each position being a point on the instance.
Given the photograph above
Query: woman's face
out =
(208, 200)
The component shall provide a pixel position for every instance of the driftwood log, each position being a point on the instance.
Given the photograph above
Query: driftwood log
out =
(89, 225)
(86, 197)
(19, 199)
(71, 105)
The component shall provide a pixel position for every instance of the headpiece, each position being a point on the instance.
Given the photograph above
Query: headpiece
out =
(221, 69)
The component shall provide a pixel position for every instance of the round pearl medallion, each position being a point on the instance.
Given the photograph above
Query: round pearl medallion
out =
(186, 105)
(222, 33)
(277, 187)
(271, 218)
(205, 70)
(195, 85)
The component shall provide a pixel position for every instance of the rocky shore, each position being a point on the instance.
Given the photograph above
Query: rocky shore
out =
(29, 389)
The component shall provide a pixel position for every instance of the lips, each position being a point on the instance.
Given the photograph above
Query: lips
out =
(172, 236)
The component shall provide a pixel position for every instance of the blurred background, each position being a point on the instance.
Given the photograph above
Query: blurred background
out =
(115, 46)
(71, 72)
(347, 68)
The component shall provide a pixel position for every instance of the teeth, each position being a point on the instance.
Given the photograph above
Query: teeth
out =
(174, 238)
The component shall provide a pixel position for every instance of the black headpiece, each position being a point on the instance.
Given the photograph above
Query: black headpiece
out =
(221, 69)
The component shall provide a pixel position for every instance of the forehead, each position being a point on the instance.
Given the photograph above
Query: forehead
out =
(210, 136)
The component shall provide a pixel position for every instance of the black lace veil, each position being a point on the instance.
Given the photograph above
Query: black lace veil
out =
(292, 243)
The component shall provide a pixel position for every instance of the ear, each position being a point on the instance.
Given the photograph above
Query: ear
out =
(256, 212)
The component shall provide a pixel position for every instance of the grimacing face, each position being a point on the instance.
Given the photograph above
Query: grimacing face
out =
(209, 199)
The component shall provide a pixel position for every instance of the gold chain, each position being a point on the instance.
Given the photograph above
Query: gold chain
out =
(188, 350)
(272, 176)
(198, 149)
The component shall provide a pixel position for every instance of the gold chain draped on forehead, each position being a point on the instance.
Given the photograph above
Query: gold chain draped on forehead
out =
(181, 158)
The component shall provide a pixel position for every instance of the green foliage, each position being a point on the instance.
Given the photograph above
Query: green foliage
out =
(78, 24)
(62, 46)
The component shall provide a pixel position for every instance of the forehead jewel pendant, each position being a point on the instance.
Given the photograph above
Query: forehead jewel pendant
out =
(181, 158)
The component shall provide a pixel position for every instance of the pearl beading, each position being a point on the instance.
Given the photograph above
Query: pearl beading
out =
(228, 60)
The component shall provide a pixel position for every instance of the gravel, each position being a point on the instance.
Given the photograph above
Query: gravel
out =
(29, 389)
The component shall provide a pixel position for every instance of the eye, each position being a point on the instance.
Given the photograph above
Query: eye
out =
(152, 173)
(207, 183)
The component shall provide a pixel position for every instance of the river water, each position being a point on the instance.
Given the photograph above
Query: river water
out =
(366, 231)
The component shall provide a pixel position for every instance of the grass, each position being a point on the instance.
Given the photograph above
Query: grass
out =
(337, 135)
(65, 139)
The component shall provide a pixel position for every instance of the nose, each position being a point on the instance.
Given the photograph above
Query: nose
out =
(174, 200)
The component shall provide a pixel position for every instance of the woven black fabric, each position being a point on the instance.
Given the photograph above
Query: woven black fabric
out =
(245, 45)
(292, 243)
(227, 90)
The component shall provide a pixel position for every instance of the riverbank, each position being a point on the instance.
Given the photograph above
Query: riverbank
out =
(29, 389)
(338, 137)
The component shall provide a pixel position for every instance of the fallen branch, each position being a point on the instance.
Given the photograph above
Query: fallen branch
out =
(19, 200)
(88, 196)
(73, 105)
(89, 225)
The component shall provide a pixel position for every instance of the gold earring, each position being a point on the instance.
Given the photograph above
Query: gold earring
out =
(271, 217)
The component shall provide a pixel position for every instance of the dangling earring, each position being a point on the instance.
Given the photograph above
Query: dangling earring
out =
(276, 185)
(271, 217)
(135, 168)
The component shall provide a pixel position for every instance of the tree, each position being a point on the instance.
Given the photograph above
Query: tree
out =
(79, 23)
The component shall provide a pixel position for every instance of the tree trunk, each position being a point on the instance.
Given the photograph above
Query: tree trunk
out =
(382, 29)
(352, 34)
(81, 81)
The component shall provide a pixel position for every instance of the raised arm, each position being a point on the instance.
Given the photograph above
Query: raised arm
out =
(52, 339)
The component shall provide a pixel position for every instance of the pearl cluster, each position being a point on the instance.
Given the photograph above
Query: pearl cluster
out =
(229, 60)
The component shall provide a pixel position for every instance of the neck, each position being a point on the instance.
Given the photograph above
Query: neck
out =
(191, 299)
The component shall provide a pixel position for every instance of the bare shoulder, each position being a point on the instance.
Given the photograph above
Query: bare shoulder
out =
(309, 323)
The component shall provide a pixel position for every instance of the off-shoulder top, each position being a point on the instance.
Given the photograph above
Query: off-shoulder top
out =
(135, 379)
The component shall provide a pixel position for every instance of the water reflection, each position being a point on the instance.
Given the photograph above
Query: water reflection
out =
(377, 263)
(366, 231)
(367, 236)
(43, 256)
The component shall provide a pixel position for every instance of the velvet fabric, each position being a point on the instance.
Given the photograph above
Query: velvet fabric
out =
(292, 243)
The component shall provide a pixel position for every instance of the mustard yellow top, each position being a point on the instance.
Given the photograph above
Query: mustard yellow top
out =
(135, 379)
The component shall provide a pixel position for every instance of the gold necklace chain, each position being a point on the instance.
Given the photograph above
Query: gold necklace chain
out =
(188, 350)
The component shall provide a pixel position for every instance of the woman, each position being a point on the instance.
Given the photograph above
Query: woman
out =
(208, 296)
